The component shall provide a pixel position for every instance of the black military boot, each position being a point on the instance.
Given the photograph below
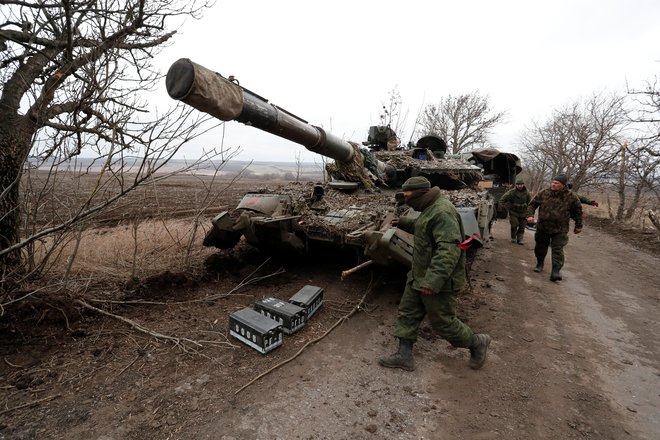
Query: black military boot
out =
(555, 275)
(479, 350)
(519, 240)
(539, 266)
(514, 233)
(401, 359)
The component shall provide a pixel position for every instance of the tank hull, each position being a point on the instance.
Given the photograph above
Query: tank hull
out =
(297, 218)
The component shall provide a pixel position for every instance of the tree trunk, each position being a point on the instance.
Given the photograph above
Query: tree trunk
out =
(15, 135)
(622, 183)
(635, 201)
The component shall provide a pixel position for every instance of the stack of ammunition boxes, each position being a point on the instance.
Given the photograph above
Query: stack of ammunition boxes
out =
(261, 328)
(291, 316)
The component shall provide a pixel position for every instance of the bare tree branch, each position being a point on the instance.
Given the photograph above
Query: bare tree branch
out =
(74, 77)
(464, 121)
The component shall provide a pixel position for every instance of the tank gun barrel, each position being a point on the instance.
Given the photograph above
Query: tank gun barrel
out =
(211, 93)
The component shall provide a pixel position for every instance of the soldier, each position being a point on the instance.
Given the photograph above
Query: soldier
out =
(517, 200)
(557, 205)
(435, 279)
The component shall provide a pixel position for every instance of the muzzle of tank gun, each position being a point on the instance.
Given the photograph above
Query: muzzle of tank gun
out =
(211, 93)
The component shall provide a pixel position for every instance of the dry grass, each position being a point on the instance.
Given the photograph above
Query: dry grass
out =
(125, 251)
(608, 204)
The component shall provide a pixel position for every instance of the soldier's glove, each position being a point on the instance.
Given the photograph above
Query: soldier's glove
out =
(594, 203)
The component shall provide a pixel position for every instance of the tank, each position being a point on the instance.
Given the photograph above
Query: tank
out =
(354, 209)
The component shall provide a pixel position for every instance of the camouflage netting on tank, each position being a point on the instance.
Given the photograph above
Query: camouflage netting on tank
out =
(363, 168)
(454, 169)
(357, 211)
(353, 170)
(353, 211)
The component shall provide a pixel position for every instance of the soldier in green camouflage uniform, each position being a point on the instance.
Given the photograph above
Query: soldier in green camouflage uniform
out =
(435, 279)
(557, 205)
(517, 201)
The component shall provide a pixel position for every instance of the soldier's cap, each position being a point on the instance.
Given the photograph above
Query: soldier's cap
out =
(520, 181)
(561, 178)
(417, 182)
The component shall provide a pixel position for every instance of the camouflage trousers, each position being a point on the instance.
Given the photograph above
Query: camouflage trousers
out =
(556, 242)
(518, 223)
(441, 310)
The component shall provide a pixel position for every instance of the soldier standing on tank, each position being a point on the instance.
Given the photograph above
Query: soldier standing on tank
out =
(517, 201)
(435, 279)
(557, 205)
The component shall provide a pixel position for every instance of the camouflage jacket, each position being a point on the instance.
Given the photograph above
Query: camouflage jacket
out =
(556, 208)
(516, 201)
(438, 263)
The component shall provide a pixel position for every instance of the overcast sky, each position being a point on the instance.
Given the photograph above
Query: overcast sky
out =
(334, 63)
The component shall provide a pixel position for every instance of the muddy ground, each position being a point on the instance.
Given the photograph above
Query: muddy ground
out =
(569, 360)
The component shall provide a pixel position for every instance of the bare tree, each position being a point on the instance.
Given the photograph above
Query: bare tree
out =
(536, 165)
(73, 78)
(582, 140)
(645, 151)
(648, 99)
(464, 121)
(640, 162)
(391, 113)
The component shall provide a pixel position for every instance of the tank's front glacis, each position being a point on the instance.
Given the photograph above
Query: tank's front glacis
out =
(299, 216)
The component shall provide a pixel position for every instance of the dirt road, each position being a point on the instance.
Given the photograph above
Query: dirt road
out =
(575, 359)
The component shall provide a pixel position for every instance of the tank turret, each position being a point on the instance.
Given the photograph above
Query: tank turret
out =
(354, 210)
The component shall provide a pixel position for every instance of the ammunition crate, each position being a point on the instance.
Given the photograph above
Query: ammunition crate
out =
(309, 298)
(256, 330)
(291, 316)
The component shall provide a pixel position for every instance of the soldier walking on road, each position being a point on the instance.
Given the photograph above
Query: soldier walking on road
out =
(517, 201)
(557, 205)
(435, 279)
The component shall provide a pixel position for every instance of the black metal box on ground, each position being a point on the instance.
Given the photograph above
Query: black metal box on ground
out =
(256, 330)
(309, 298)
(291, 316)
